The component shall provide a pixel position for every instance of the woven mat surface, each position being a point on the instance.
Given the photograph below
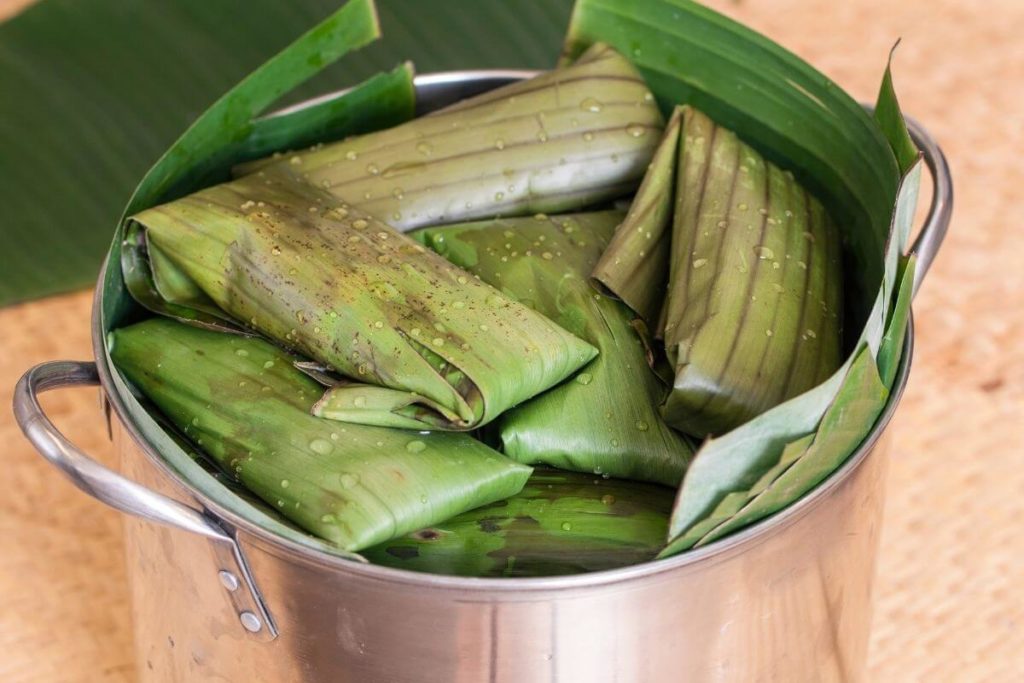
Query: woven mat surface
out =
(950, 590)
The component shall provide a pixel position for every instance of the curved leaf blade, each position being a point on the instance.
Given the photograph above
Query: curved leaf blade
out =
(561, 523)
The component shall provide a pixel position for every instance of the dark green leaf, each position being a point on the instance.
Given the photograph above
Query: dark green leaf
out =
(561, 523)
(383, 101)
(95, 90)
(890, 120)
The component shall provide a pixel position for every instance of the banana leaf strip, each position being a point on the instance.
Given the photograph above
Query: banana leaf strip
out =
(557, 142)
(754, 308)
(890, 350)
(561, 523)
(635, 265)
(890, 119)
(732, 503)
(844, 426)
(429, 345)
(244, 404)
(381, 101)
(606, 420)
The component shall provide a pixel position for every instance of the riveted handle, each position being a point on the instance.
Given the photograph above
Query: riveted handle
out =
(928, 241)
(120, 493)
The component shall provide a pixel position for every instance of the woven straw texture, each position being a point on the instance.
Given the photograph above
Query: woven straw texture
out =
(950, 589)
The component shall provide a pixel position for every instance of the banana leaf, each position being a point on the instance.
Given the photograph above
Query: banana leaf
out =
(557, 142)
(561, 523)
(799, 120)
(635, 265)
(890, 351)
(606, 421)
(754, 306)
(428, 345)
(244, 404)
(96, 90)
(806, 461)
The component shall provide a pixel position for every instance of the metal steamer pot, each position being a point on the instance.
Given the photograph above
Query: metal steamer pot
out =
(217, 597)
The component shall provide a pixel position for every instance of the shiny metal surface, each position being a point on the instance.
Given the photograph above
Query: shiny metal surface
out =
(787, 599)
(929, 240)
(123, 494)
(789, 606)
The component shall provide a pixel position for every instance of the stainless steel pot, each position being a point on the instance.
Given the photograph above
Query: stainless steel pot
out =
(216, 597)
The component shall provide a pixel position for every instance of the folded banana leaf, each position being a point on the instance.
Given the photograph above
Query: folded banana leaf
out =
(606, 421)
(428, 345)
(634, 267)
(753, 314)
(561, 523)
(557, 142)
(805, 462)
(244, 404)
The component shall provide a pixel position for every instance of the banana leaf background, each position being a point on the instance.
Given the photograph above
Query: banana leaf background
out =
(93, 91)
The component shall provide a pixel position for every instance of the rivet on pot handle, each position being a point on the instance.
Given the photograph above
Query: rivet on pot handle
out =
(127, 496)
(928, 241)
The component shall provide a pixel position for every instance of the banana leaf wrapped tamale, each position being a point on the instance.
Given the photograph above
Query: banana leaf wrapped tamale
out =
(244, 404)
(606, 420)
(426, 344)
(560, 523)
(557, 142)
(753, 311)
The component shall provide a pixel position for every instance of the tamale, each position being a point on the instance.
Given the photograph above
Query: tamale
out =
(754, 309)
(426, 343)
(241, 401)
(606, 420)
(752, 314)
(556, 142)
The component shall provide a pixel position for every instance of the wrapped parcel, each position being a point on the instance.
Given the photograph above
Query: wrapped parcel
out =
(424, 344)
(751, 314)
(245, 405)
(556, 142)
(606, 420)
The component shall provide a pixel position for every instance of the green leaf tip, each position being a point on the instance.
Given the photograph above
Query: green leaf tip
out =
(890, 119)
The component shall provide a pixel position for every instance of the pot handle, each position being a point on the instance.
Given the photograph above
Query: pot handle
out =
(928, 241)
(127, 496)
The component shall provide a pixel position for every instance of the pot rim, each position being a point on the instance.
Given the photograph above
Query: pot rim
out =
(717, 550)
